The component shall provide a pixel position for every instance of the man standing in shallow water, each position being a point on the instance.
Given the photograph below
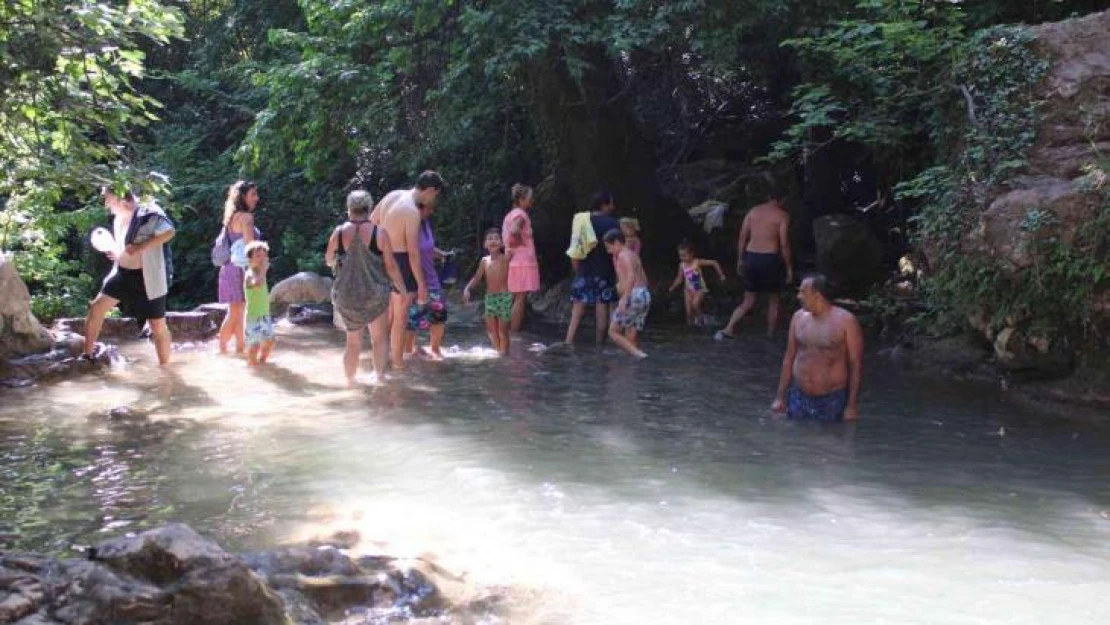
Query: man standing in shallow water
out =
(763, 253)
(399, 213)
(823, 364)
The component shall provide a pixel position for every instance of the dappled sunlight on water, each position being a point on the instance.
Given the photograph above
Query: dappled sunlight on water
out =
(613, 491)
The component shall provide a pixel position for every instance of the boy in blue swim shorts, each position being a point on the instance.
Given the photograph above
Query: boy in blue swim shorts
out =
(635, 298)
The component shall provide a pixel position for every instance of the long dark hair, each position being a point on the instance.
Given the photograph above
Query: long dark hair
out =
(237, 199)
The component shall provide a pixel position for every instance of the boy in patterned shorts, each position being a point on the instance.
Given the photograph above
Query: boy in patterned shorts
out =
(499, 301)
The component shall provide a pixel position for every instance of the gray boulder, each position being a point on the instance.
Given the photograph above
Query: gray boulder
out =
(20, 332)
(848, 253)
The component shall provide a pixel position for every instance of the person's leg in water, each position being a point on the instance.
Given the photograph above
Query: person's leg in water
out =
(379, 345)
(772, 314)
(745, 307)
(232, 327)
(252, 353)
(698, 302)
(163, 340)
(577, 309)
(350, 355)
(436, 333)
(688, 297)
(519, 301)
(601, 316)
(267, 349)
(397, 333)
(504, 331)
(94, 320)
(493, 331)
(626, 338)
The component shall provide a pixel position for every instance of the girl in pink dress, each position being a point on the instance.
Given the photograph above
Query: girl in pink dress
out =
(524, 270)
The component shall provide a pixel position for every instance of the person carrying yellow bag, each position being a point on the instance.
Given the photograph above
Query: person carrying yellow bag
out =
(582, 236)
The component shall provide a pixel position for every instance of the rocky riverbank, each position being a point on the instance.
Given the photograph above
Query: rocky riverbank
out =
(173, 576)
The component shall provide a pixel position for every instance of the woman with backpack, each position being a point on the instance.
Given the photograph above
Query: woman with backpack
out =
(238, 225)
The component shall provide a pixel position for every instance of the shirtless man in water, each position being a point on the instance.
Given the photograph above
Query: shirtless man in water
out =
(399, 213)
(823, 364)
(763, 253)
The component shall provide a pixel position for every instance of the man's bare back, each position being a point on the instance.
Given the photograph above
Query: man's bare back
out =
(821, 363)
(397, 212)
(766, 226)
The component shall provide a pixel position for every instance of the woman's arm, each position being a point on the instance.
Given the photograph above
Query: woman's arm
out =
(246, 222)
(333, 247)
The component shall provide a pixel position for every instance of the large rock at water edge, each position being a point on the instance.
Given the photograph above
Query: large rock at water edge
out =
(303, 288)
(20, 332)
(848, 254)
(206, 584)
(1039, 218)
(173, 576)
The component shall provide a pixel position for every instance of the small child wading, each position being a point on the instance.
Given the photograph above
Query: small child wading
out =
(259, 326)
(499, 301)
(635, 298)
(689, 271)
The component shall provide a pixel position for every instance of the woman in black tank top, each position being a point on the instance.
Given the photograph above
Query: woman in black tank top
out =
(360, 294)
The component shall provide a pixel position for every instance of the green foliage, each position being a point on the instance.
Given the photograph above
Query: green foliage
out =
(70, 72)
(885, 74)
(312, 98)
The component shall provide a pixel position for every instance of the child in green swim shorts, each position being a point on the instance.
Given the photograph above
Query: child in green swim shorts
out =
(499, 301)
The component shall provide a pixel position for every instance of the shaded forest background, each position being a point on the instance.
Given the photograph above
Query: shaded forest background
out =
(667, 104)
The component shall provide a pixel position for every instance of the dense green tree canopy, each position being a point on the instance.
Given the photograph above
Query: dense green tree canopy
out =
(666, 103)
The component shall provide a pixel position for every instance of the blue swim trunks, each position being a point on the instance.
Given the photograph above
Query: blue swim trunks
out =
(259, 330)
(827, 408)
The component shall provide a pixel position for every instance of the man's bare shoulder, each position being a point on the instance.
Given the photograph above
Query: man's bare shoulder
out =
(844, 317)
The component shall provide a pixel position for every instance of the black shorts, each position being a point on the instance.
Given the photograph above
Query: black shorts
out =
(127, 286)
(764, 273)
(402, 259)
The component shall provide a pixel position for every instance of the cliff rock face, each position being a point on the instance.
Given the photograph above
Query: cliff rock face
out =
(1063, 186)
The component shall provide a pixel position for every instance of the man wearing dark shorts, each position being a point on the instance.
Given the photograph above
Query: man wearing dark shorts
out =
(595, 279)
(823, 365)
(399, 213)
(138, 282)
(763, 253)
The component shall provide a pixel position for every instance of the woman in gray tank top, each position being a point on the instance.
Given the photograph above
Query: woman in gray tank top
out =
(362, 258)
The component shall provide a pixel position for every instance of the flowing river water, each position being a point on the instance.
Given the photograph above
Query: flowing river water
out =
(607, 491)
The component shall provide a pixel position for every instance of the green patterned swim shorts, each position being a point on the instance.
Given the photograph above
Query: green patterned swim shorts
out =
(499, 305)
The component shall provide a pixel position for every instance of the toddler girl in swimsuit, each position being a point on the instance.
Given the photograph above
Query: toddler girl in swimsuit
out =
(499, 301)
(689, 271)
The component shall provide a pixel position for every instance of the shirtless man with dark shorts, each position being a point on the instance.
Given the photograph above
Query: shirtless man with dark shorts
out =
(823, 364)
(399, 213)
(764, 261)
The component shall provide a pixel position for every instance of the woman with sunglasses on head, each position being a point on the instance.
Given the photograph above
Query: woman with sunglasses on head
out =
(242, 199)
